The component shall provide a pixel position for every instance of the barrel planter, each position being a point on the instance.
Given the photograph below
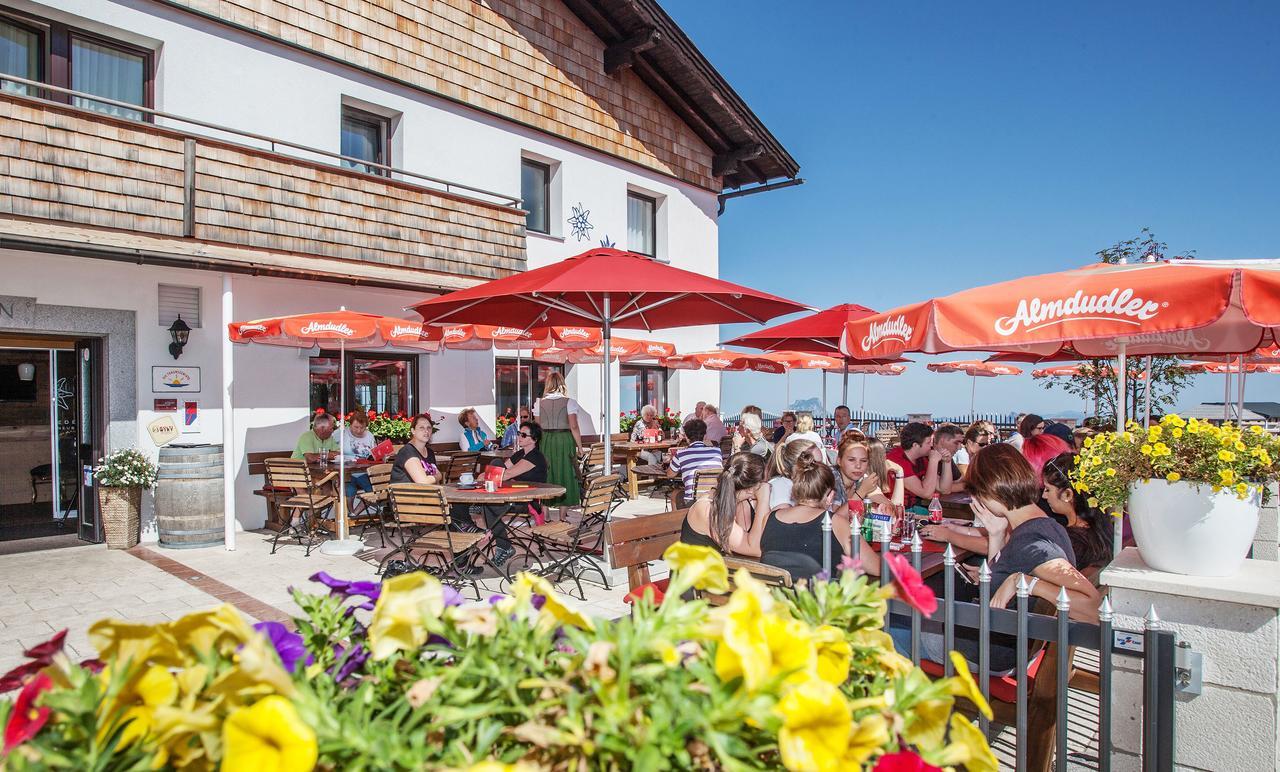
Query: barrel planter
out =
(189, 501)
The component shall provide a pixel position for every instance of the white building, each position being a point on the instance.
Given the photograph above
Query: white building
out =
(517, 133)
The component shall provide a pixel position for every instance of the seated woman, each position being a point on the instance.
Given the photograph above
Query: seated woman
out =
(1023, 543)
(728, 522)
(528, 465)
(978, 436)
(473, 437)
(1089, 528)
(416, 463)
(776, 493)
(854, 479)
(358, 443)
(798, 528)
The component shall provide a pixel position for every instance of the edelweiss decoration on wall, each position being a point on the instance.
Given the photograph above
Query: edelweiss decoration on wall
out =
(580, 223)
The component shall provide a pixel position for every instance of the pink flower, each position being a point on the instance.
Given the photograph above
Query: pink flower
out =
(910, 587)
(903, 761)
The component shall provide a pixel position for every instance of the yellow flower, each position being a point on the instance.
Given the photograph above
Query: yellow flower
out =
(1242, 490)
(1257, 430)
(407, 603)
(268, 736)
(927, 722)
(1154, 432)
(127, 644)
(868, 736)
(258, 673)
(967, 736)
(553, 610)
(1161, 449)
(1092, 502)
(1173, 477)
(757, 644)
(963, 685)
(221, 628)
(1111, 472)
(1145, 450)
(815, 727)
(1227, 476)
(1177, 433)
(1173, 419)
(1239, 445)
(834, 654)
(702, 567)
(1226, 455)
(134, 707)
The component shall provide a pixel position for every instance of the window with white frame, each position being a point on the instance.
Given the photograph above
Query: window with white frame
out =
(535, 193)
(642, 224)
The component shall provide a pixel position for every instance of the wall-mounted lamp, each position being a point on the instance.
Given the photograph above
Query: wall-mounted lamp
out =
(179, 331)
(26, 371)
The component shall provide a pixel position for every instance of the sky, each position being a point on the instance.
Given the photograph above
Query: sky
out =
(949, 145)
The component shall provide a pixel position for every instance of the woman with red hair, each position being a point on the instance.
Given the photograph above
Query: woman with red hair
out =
(1039, 448)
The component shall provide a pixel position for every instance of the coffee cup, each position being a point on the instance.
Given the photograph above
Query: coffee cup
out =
(466, 478)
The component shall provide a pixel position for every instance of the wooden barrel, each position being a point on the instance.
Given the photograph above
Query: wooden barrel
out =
(189, 506)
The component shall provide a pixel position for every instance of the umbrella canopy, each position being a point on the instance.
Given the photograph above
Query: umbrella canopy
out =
(620, 350)
(481, 337)
(975, 368)
(724, 361)
(892, 369)
(1182, 306)
(800, 360)
(643, 294)
(1233, 368)
(610, 288)
(818, 333)
(1068, 371)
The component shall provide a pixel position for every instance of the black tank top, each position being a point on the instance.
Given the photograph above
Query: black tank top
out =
(692, 537)
(804, 538)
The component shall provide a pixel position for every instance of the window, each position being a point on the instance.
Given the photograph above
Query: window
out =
(535, 191)
(365, 136)
(531, 374)
(19, 55)
(77, 60)
(641, 385)
(386, 383)
(642, 224)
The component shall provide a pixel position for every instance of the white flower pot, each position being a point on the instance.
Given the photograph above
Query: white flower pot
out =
(1184, 528)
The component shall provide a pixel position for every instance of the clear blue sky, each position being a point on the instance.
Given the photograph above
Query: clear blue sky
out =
(947, 145)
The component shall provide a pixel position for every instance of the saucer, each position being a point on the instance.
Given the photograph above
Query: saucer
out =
(465, 487)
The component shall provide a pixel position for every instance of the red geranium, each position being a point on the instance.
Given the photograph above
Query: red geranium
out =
(904, 761)
(27, 719)
(911, 588)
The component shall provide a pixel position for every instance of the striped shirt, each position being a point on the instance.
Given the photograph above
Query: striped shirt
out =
(687, 461)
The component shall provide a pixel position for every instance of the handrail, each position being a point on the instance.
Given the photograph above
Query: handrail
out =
(511, 201)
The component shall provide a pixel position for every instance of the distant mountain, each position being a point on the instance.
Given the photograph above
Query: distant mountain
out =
(812, 404)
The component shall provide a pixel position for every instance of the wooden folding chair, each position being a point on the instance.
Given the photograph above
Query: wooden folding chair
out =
(374, 502)
(571, 544)
(771, 576)
(705, 482)
(420, 514)
(309, 507)
(460, 464)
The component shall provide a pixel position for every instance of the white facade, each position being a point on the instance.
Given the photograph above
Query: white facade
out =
(213, 73)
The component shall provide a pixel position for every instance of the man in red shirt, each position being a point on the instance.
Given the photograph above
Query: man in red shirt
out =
(917, 465)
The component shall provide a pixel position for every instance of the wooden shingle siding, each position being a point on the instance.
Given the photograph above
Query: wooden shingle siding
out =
(530, 61)
(61, 164)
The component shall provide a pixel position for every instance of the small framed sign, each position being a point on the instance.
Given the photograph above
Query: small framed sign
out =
(164, 405)
(175, 380)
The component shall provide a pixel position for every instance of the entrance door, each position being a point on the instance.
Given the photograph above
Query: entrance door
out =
(90, 431)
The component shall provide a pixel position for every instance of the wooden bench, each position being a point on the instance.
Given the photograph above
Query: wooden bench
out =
(635, 542)
(257, 462)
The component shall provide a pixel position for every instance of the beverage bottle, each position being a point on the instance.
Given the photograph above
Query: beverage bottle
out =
(881, 522)
(935, 510)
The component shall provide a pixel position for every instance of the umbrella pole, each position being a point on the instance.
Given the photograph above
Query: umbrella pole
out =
(973, 396)
(1117, 534)
(862, 406)
(1146, 396)
(1240, 406)
(845, 401)
(825, 413)
(519, 394)
(342, 546)
(1226, 394)
(607, 325)
(788, 391)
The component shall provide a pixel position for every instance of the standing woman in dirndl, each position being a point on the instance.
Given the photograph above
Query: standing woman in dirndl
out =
(557, 413)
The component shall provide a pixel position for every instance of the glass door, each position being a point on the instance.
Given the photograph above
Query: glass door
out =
(90, 431)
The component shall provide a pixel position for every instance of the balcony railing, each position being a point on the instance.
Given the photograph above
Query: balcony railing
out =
(80, 166)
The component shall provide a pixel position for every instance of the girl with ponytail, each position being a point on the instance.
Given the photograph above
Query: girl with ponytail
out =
(798, 528)
(727, 521)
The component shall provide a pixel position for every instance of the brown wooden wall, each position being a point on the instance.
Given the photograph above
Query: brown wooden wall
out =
(61, 165)
(530, 61)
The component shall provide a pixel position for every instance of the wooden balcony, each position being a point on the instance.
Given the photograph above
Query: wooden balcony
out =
(70, 167)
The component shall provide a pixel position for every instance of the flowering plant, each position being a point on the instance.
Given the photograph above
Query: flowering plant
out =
(501, 425)
(627, 420)
(1227, 456)
(127, 468)
(799, 679)
(670, 420)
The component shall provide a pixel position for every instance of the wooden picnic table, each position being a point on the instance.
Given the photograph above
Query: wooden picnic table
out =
(631, 451)
(511, 493)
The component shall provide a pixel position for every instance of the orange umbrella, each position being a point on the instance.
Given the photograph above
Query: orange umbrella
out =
(975, 369)
(620, 349)
(724, 361)
(1100, 310)
(481, 337)
(1231, 368)
(327, 327)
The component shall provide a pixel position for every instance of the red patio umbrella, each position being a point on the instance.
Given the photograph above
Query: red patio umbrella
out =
(326, 327)
(817, 333)
(975, 369)
(609, 288)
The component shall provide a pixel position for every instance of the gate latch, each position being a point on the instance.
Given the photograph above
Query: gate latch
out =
(1188, 673)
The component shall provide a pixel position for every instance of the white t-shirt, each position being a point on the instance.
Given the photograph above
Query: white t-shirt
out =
(1015, 440)
(358, 447)
(813, 437)
(779, 493)
(961, 456)
(574, 407)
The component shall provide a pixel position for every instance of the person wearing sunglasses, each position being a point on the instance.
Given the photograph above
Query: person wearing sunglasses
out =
(977, 436)
(526, 465)
(1089, 528)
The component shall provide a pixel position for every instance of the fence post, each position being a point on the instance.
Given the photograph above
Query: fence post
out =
(949, 599)
(984, 641)
(1023, 590)
(1105, 615)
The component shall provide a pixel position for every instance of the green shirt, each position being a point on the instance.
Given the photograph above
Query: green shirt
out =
(310, 443)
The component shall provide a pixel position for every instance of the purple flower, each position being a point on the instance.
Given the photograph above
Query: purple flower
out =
(346, 588)
(348, 661)
(288, 645)
(538, 601)
(496, 599)
(452, 597)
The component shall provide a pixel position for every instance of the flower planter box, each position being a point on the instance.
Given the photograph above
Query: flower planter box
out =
(121, 518)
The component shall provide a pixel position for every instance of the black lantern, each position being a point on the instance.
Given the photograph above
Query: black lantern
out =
(179, 331)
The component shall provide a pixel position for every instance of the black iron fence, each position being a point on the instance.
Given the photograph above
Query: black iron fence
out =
(1039, 708)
